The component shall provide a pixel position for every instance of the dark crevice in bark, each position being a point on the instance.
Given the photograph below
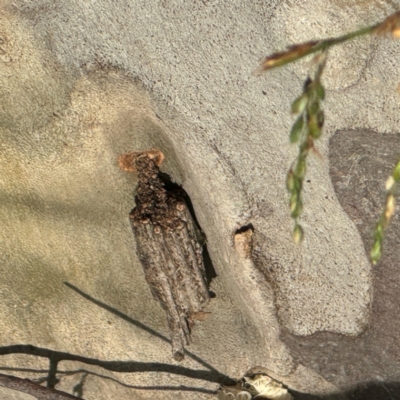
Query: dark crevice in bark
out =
(171, 186)
(244, 229)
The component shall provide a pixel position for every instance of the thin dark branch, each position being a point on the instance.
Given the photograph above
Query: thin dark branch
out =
(28, 387)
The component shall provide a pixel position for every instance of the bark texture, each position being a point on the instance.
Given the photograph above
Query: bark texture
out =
(169, 249)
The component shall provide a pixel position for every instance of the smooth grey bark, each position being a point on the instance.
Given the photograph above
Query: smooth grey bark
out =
(84, 82)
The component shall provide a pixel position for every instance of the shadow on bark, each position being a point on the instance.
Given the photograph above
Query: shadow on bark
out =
(368, 391)
(117, 366)
(33, 388)
(364, 391)
(209, 375)
(217, 375)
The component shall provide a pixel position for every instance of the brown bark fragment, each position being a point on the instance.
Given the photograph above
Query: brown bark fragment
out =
(33, 389)
(168, 248)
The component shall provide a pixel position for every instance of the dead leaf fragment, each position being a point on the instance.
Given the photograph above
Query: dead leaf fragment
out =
(127, 162)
